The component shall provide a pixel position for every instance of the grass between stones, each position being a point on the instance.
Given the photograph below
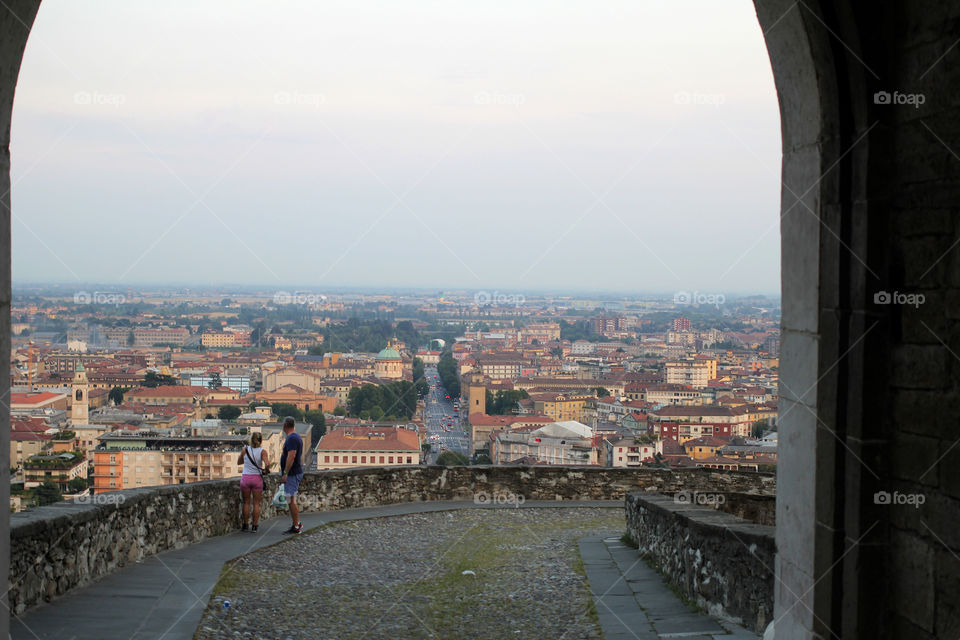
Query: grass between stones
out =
(403, 577)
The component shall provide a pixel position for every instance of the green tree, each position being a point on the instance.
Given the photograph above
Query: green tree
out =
(447, 370)
(215, 381)
(76, 485)
(758, 428)
(602, 392)
(47, 493)
(504, 402)
(284, 409)
(116, 394)
(409, 334)
(423, 387)
(339, 411)
(452, 459)
(154, 379)
(229, 412)
(481, 458)
(318, 423)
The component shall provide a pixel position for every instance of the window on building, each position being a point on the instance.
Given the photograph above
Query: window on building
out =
(363, 459)
(336, 458)
(390, 459)
(354, 459)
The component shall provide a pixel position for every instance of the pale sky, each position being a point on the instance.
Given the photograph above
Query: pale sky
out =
(631, 145)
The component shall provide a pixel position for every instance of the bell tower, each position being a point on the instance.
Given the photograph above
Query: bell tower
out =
(79, 410)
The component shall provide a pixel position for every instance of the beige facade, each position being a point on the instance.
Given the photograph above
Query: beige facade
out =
(368, 446)
(291, 376)
(674, 395)
(218, 339)
(128, 462)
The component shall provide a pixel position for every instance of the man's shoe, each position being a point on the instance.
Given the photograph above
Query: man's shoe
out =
(255, 528)
(294, 529)
(244, 527)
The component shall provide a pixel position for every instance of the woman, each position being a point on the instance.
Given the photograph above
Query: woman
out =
(255, 463)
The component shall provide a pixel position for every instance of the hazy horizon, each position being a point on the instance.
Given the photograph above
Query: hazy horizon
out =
(613, 147)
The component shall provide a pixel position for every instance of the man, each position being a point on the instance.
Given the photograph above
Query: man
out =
(292, 470)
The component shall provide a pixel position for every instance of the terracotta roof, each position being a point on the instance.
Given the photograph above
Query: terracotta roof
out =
(356, 439)
(28, 436)
(34, 398)
(707, 441)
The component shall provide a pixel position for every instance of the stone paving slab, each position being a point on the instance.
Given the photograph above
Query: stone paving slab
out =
(164, 596)
(638, 605)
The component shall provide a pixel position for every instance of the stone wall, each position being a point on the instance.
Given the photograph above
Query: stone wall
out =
(758, 509)
(721, 562)
(56, 548)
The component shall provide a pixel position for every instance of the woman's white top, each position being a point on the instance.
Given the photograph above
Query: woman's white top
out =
(250, 469)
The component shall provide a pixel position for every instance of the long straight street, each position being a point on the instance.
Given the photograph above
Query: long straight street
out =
(443, 421)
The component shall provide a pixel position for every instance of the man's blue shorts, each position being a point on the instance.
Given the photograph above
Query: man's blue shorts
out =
(292, 485)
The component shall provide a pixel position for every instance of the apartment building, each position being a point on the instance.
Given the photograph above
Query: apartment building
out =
(557, 443)
(673, 394)
(561, 407)
(632, 452)
(143, 459)
(691, 372)
(144, 337)
(59, 468)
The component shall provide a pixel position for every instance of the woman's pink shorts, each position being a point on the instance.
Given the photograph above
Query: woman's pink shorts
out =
(249, 482)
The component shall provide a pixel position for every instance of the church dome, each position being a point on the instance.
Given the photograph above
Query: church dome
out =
(389, 354)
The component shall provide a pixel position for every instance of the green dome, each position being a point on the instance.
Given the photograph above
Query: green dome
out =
(389, 354)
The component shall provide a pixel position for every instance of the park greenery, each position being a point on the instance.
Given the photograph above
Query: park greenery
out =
(392, 401)
(447, 370)
(452, 459)
(504, 401)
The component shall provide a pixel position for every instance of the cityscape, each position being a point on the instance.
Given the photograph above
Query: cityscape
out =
(119, 390)
(479, 321)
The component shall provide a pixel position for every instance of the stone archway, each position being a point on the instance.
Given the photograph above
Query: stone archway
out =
(869, 195)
